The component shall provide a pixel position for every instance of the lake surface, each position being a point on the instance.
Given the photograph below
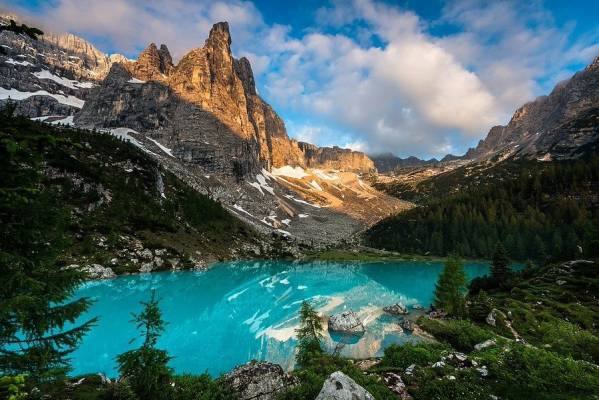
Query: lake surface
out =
(238, 311)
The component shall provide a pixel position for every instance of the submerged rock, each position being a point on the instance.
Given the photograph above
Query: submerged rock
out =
(260, 380)
(407, 325)
(339, 386)
(396, 309)
(346, 322)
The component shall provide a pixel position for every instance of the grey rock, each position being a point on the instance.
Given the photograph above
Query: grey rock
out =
(260, 380)
(491, 319)
(395, 384)
(339, 386)
(407, 325)
(146, 267)
(346, 322)
(396, 309)
(146, 254)
(485, 344)
(97, 271)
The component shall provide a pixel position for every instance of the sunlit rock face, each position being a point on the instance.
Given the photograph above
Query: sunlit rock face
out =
(207, 108)
(551, 126)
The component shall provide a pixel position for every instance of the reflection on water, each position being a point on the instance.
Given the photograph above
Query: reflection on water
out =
(240, 311)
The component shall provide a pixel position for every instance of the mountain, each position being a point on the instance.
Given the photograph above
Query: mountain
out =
(388, 162)
(206, 108)
(203, 121)
(547, 127)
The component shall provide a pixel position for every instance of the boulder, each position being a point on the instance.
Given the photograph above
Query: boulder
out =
(346, 322)
(146, 267)
(491, 319)
(396, 309)
(407, 325)
(260, 380)
(97, 271)
(418, 307)
(339, 386)
(396, 385)
(485, 344)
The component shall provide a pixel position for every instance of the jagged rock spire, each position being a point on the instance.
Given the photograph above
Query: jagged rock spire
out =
(219, 36)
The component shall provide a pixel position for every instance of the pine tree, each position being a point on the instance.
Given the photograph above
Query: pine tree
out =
(309, 334)
(450, 288)
(500, 267)
(36, 304)
(146, 368)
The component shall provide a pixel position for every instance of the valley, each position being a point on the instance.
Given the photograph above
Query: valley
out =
(260, 266)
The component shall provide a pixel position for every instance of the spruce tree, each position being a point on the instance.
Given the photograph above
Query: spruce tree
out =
(39, 320)
(146, 368)
(309, 334)
(500, 267)
(450, 288)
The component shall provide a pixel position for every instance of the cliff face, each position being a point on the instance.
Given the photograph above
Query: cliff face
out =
(335, 158)
(547, 126)
(207, 109)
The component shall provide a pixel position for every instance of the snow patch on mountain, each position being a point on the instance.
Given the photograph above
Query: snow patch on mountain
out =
(15, 94)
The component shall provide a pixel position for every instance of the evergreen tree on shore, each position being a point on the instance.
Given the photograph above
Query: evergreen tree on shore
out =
(146, 368)
(450, 288)
(309, 334)
(500, 267)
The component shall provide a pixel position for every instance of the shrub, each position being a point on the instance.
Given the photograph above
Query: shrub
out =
(461, 334)
(201, 387)
(402, 356)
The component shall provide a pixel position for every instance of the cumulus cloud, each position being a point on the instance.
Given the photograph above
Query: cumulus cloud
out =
(130, 25)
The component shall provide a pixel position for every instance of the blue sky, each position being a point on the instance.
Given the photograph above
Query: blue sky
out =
(410, 77)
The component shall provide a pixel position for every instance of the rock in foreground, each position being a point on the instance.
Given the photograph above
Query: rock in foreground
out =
(339, 386)
(260, 380)
(346, 322)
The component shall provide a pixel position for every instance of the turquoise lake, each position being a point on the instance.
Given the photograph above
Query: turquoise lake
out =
(238, 311)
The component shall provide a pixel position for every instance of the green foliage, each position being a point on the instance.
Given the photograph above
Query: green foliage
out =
(38, 328)
(535, 209)
(13, 387)
(201, 387)
(450, 288)
(500, 266)
(119, 391)
(461, 334)
(480, 306)
(146, 368)
(530, 373)
(402, 356)
(465, 387)
(309, 333)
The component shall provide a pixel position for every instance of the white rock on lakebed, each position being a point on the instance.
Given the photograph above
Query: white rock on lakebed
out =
(346, 322)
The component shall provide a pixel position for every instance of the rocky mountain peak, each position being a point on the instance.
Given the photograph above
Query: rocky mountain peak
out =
(219, 37)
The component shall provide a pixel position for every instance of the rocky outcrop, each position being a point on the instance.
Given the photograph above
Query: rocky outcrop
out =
(95, 271)
(339, 386)
(396, 309)
(346, 322)
(260, 381)
(553, 126)
(336, 158)
(395, 384)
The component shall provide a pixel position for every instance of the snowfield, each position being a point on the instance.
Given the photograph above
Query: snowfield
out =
(15, 94)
